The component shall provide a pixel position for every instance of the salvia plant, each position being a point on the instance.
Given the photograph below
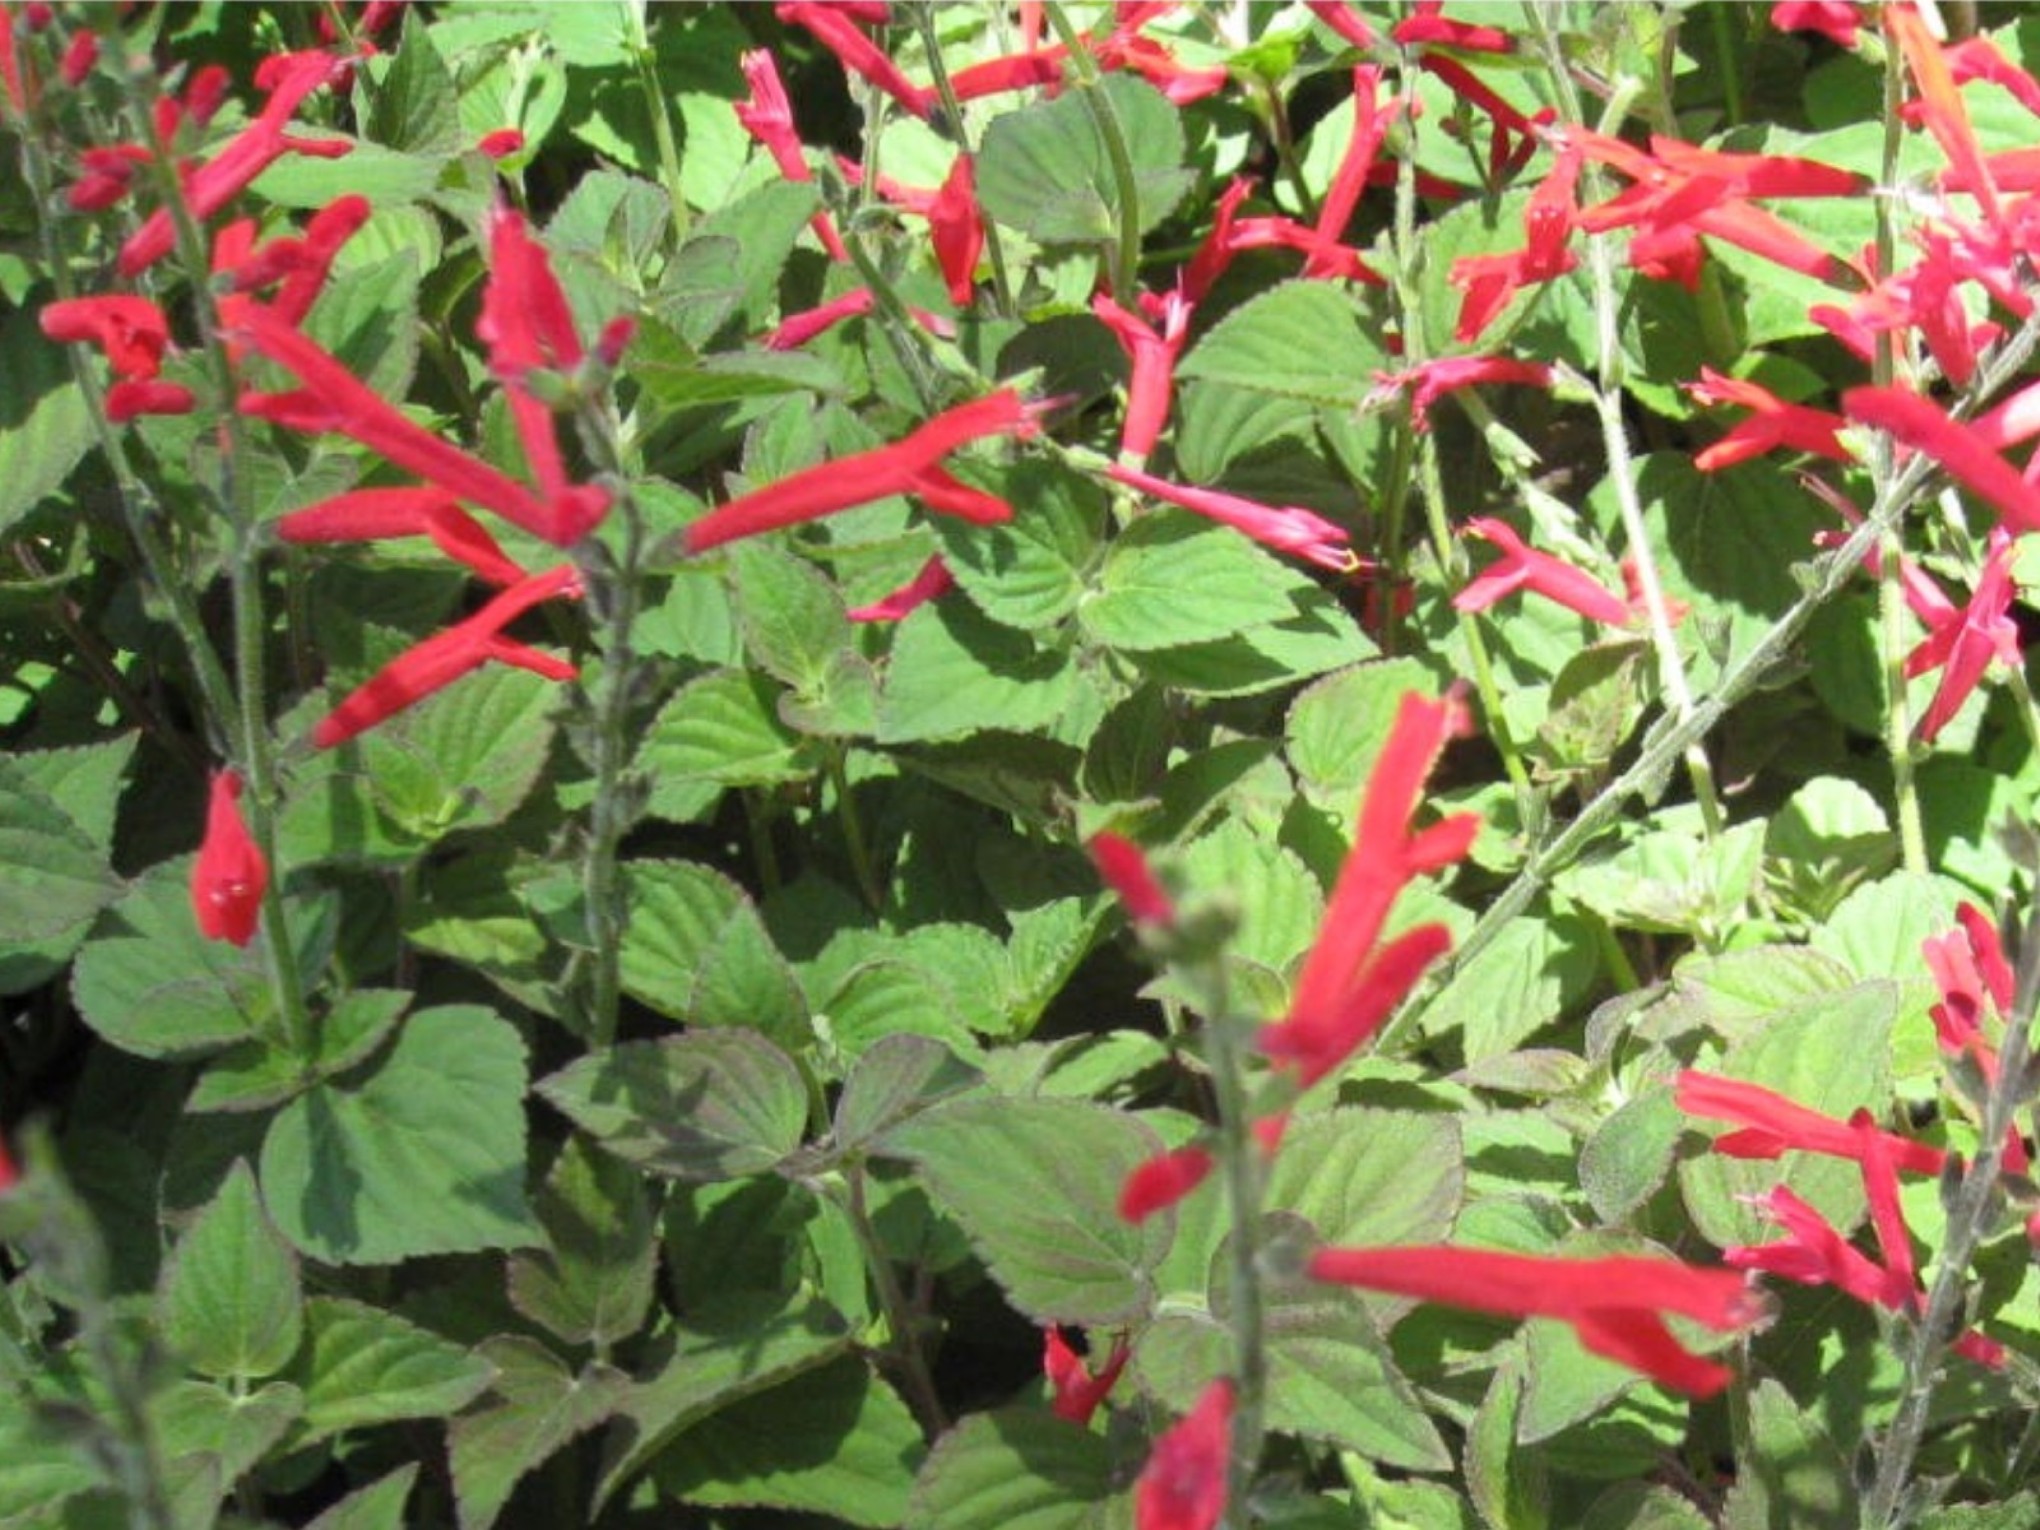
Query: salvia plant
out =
(1015, 767)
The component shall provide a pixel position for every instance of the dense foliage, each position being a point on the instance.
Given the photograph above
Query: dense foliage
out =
(999, 768)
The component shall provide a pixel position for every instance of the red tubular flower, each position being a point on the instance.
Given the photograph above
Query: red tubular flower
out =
(1773, 425)
(1433, 379)
(1162, 1181)
(1836, 20)
(933, 581)
(229, 877)
(9, 1177)
(1522, 567)
(79, 57)
(1344, 20)
(1617, 1305)
(1077, 1393)
(957, 230)
(1216, 252)
(1286, 528)
(527, 326)
(297, 268)
(444, 657)
(1773, 1125)
(1370, 124)
(335, 399)
(127, 400)
(1024, 70)
(1963, 645)
(1126, 49)
(1969, 968)
(375, 515)
(131, 330)
(1941, 105)
(1814, 1254)
(1183, 1485)
(1425, 25)
(1350, 982)
(1126, 871)
(768, 117)
(858, 54)
(1961, 450)
(289, 78)
(1152, 352)
(908, 466)
(1978, 58)
(501, 144)
(1490, 281)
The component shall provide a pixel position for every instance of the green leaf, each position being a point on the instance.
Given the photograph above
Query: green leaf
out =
(1362, 1176)
(425, 1155)
(83, 781)
(230, 1300)
(592, 1282)
(257, 1074)
(148, 982)
(695, 950)
(1791, 1474)
(1035, 1185)
(1640, 1506)
(45, 430)
(896, 1079)
(1045, 169)
(791, 616)
(1016, 1468)
(415, 105)
(1519, 983)
(1300, 339)
(719, 730)
(697, 1372)
(953, 672)
(361, 1366)
(838, 1442)
(1629, 1154)
(1280, 902)
(1028, 572)
(384, 176)
(1831, 1055)
(54, 879)
(1831, 837)
(1338, 724)
(706, 1106)
(1505, 1484)
(1596, 701)
(379, 1506)
(1670, 880)
(1172, 578)
(201, 1427)
(879, 1000)
(1319, 638)
(465, 757)
(533, 1408)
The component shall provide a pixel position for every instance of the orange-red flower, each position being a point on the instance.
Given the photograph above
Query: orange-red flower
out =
(1183, 1485)
(1522, 567)
(911, 465)
(229, 877)
(1126, 871)
(444, 657)
(1964, 643)
(1351, 982)
(1164, 1180)
(768, 117)
(1964, 451)
(1076, 1392)
(1617, 1305)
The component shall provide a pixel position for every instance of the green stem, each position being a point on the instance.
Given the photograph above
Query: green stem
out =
(900, 1318)
(1245, 1176)
(1972, 1213)
(854, 842)
(931, 42)
(245, 584)
(1125, 270)
(645, 61)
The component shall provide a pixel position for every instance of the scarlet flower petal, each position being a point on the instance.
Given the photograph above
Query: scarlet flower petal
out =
(1286, 528)
(932, 581)
(1777, 1125)
(1183, 1485)
(1616, 1304)
(443, 658)
(1076, 1392)
(860, 477)
(1524, 568)
(229, 877)
(1161, 1182)
(125, 400)
(857, 53)
(131, 330)
(1959, 448)
(1126, 871)
(957, 230)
